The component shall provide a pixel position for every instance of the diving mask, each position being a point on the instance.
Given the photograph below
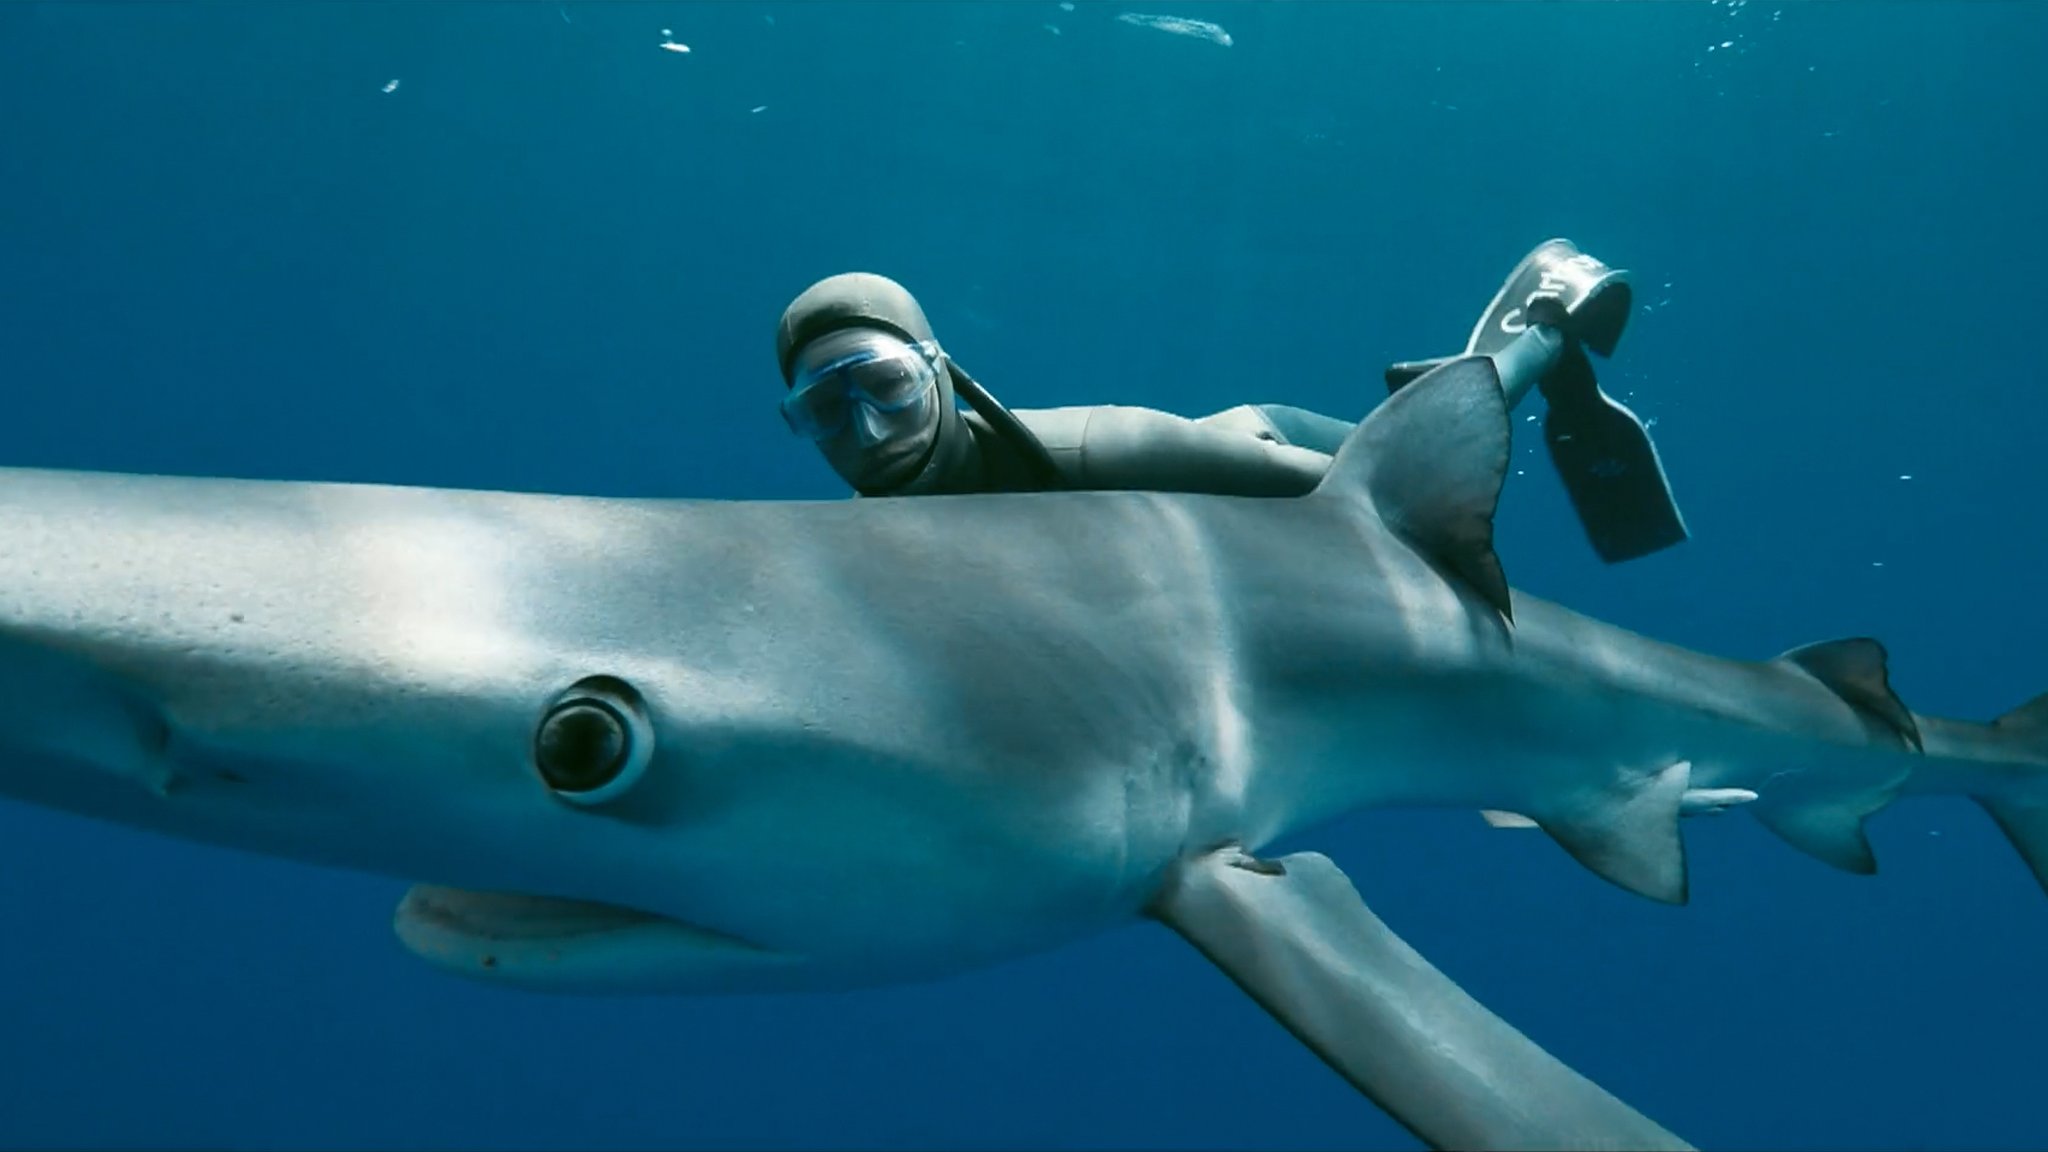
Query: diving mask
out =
(885, 385)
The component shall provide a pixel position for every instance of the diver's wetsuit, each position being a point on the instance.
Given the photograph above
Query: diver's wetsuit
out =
(1529, 331)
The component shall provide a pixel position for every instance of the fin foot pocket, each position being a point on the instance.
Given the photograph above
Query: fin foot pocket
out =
(1595, 300)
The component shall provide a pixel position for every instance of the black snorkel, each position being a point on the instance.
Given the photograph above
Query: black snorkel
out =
(1004, 423)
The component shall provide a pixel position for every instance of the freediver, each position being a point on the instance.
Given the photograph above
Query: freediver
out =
(870, 385)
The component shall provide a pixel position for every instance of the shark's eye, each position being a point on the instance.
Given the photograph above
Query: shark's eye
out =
(594, 741)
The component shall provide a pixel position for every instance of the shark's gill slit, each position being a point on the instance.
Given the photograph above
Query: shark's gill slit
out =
(594, 741)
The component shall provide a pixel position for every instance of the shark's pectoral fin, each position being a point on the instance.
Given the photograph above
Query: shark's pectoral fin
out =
(1432, 458)
(1856, 670)
(1298, 940)
(1631, 835)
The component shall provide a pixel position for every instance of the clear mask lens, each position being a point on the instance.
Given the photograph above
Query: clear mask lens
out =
(889, 382)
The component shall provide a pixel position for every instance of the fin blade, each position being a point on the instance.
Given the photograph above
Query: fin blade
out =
(1828, 833)
(1634, 842)
(2026, 829)
(1433, 458)
(1299, 941)
(1609, 466)
(1857, 670)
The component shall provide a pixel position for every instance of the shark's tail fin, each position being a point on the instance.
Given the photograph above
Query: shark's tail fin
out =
(2022, 811)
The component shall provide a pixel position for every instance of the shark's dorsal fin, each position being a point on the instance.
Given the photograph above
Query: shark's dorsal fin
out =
(1633, 840)
(1855, 670)
(1432, 458)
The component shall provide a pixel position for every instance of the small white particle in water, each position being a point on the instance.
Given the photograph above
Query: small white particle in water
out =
(1727, 43)
(1053, 28)
(1877, 563)
(1905, 476)
(1529, 419)
(758, 109)
(674, 46)
(391, 87)
(1066, 5)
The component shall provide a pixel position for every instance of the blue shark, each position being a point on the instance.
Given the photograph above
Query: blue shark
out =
(715, 747)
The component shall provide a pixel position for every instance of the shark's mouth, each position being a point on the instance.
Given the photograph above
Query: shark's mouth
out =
(514, 917)
(579, 945)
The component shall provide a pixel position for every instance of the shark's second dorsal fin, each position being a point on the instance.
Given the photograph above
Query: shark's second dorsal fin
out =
(1855, 670)
(1432, 458)
(2026, 719)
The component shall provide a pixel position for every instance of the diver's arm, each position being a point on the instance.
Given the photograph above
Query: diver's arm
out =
(1121, 448)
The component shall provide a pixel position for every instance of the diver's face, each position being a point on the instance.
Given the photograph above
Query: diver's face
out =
(877, 401)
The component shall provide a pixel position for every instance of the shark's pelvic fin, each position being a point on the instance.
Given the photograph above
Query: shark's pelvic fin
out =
(1432, 458)
(1855, 670)
(1633, 838)
(1300, 942)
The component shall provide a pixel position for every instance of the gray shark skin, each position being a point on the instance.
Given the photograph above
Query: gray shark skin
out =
(888, 741)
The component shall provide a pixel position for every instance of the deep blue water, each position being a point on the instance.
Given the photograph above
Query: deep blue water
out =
(551, 258)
